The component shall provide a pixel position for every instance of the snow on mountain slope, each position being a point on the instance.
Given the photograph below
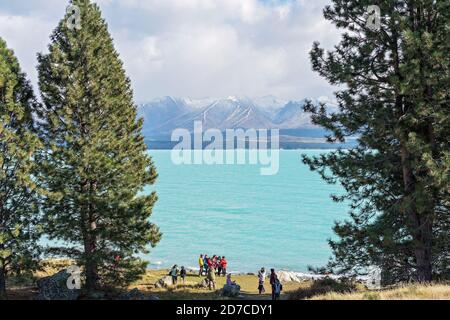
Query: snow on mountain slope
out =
(163, 115)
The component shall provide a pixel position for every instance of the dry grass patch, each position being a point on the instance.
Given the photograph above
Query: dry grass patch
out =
(406, 292)
(190, 290)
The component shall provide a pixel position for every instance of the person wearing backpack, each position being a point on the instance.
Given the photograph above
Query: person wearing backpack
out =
(278, 287)
(273, 277)
(174, 274)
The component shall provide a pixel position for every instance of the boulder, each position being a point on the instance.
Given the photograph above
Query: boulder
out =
(164, 282)
(97, 295)
(233, 290)
(136, 294)
(204, 284)
(287, 276)
(152, 298)
(55, 288)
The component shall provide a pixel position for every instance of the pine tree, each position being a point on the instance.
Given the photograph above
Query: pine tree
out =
(97, 164)
(394, 97)
(19, 230)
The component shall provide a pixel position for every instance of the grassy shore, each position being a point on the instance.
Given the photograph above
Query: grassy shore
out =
(21, 289)
(406, 292)
(249, 284)
(191, 291)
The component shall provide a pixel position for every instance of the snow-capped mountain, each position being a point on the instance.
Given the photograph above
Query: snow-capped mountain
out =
(270, 104)
(163, 115)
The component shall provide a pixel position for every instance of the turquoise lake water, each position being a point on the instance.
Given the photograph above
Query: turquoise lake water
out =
(281, 221)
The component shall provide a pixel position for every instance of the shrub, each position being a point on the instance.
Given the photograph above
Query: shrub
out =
(323, 286)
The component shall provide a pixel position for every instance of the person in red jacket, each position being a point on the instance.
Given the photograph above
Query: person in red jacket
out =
(223, 265)
(210, 263)
(214, 263)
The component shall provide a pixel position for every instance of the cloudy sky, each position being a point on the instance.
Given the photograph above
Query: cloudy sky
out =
(194, 48)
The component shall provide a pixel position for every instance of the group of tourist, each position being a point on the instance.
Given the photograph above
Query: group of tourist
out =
(174, 272)
(216, 264)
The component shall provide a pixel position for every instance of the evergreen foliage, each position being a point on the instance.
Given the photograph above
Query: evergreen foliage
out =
(19, 210)
(97, 163)
(394, 96)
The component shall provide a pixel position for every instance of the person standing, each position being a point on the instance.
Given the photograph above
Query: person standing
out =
(201, 264)
(261, 279)
(205, 263)
(211, 279)
(210, 264)
(174, 274)
(183, 275)
(273, 277)
(214, 263)
(278, 287)
(223, 266)
(219, 265)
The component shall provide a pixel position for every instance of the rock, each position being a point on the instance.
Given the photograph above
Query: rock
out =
(287, 276)
(134, 294)
(231, 290)
(55, 288)
(204, 284)
(97, 295)
(192, 270)
(164, 282)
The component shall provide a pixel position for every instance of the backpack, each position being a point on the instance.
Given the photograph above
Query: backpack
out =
(278, 287)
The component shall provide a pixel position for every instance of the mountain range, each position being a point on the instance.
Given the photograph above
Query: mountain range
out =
(163, 115)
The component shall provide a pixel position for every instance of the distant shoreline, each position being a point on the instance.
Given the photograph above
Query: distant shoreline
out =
(284, 275)
(324, 148)
(192, 269)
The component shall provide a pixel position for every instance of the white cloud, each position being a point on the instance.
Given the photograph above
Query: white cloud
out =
(194, 48)
(25, 35)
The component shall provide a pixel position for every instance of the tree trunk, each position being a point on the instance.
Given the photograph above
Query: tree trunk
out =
(421, 226)
(423, 251)
(2, 284)
(91, 263)
(90, 245)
